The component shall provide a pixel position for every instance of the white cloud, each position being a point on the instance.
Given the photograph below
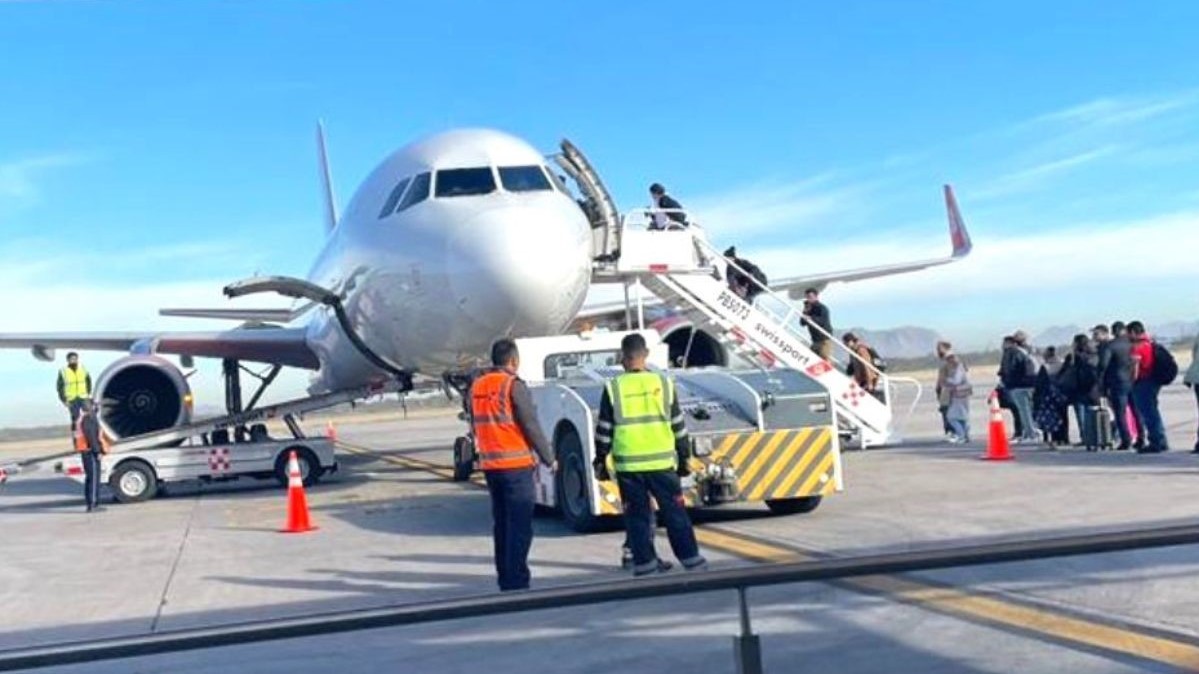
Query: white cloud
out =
(1117, 111)
(98, 296)
(774, 207)
(1030, 178)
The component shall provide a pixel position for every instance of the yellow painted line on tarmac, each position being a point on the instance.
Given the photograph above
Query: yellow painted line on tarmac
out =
(1067, 629)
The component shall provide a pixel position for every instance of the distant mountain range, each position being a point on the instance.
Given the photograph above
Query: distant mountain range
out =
(1062, 335)
(902, 342)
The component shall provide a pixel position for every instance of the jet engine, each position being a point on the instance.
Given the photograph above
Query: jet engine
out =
(141, 394)
(699, 347)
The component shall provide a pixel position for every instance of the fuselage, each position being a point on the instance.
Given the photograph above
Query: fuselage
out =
(449, 244)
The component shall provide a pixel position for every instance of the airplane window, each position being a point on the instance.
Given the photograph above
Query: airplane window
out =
(523, 179)
(389, 206)
(465, 182)
(417, 193)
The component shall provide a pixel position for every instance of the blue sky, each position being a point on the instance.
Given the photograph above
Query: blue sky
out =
(157, 150)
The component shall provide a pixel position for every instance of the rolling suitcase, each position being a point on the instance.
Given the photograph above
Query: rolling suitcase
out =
(1097, 431)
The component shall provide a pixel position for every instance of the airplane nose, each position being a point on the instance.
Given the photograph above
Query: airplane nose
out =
(522, 270)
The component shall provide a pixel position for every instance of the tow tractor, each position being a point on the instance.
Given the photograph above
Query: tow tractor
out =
(766, 436)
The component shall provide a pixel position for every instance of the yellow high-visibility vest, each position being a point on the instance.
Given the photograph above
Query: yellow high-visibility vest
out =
(75, 383)
(642, 440)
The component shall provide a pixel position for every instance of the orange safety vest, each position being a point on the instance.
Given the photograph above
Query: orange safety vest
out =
(81, 439)
(501, 443)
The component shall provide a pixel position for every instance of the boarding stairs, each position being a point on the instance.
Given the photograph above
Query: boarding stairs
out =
(687, 273)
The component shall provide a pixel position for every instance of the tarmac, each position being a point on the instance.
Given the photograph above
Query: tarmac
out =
(394, 529)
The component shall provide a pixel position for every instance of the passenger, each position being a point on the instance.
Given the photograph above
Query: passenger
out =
(739, 277)
(958, 392)
(1115, 373)
(91, 447)
(507, 436)
(944, 349)
(1018, 374)
(820, 326)
(74, 386)
(863, 371)
(676, 219)
(1191, 380)
(1145, 388)
(1078, 380)
(1049, 403)
(641, 425)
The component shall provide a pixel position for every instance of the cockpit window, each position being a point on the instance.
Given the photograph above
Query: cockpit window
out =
(465, 182)
(389, 206)
(418, 192)
(523, 179)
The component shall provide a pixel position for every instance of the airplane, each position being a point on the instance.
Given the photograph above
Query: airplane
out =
(451, 242)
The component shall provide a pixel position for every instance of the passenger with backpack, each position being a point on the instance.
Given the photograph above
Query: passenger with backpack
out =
(1079, 381)
(866, 368)
(1153, 366)
(1018, 376)
(739, 276)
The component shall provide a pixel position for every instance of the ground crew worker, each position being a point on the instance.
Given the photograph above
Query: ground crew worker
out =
(641, 425)
(506, 435)
(74, 386)
(91, 446)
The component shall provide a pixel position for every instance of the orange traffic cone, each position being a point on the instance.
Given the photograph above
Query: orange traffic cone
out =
(297, 504)
(331, 431)
(997, 444)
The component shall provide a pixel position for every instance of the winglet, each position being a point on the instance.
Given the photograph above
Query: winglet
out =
(326, 178)
(957, 227)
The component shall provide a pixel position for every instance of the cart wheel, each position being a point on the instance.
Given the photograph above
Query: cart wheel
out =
(133, 482)
(793, 506)
(464, 458)
(310, 466)
(573, 484)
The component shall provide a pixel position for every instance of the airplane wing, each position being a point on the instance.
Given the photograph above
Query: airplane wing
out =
(958, 236)
(280, 346)
(794, 286)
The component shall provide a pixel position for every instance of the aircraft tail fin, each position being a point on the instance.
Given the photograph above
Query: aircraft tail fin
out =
(326, 178)
(957, 227)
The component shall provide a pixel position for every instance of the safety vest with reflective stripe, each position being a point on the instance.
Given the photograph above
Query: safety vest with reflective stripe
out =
(74, 383)
(501, 443)
(642, 440)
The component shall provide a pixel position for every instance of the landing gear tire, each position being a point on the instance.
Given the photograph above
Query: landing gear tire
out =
(464, 459)
(310, 466)
(793, 506)
(573, 484)
(133, 482)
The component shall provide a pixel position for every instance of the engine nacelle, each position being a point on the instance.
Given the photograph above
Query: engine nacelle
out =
(699, 347)
(141, 394)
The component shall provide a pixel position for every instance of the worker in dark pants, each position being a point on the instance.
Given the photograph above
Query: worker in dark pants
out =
(91, 447)
(506, 433)
(641, 425)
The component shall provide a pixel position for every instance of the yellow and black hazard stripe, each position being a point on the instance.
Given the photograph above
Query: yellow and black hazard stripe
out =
(780, 464)
(609, 498)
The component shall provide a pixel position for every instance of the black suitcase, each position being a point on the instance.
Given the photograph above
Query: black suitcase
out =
(1097, 431)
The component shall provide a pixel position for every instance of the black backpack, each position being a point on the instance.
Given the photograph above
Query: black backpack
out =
(1165, 368)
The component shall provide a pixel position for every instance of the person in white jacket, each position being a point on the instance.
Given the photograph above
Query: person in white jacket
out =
(1191, 379)
(957, 385)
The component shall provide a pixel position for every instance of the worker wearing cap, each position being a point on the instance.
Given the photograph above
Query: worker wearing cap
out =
(74, 385)
(641, 425)
(89, 442)
(509, 443)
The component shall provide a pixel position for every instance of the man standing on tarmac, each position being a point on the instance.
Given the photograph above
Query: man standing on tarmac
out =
(74, 386)
(91, 448)
(506, 433)
(1145, 389)
(641, 424)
